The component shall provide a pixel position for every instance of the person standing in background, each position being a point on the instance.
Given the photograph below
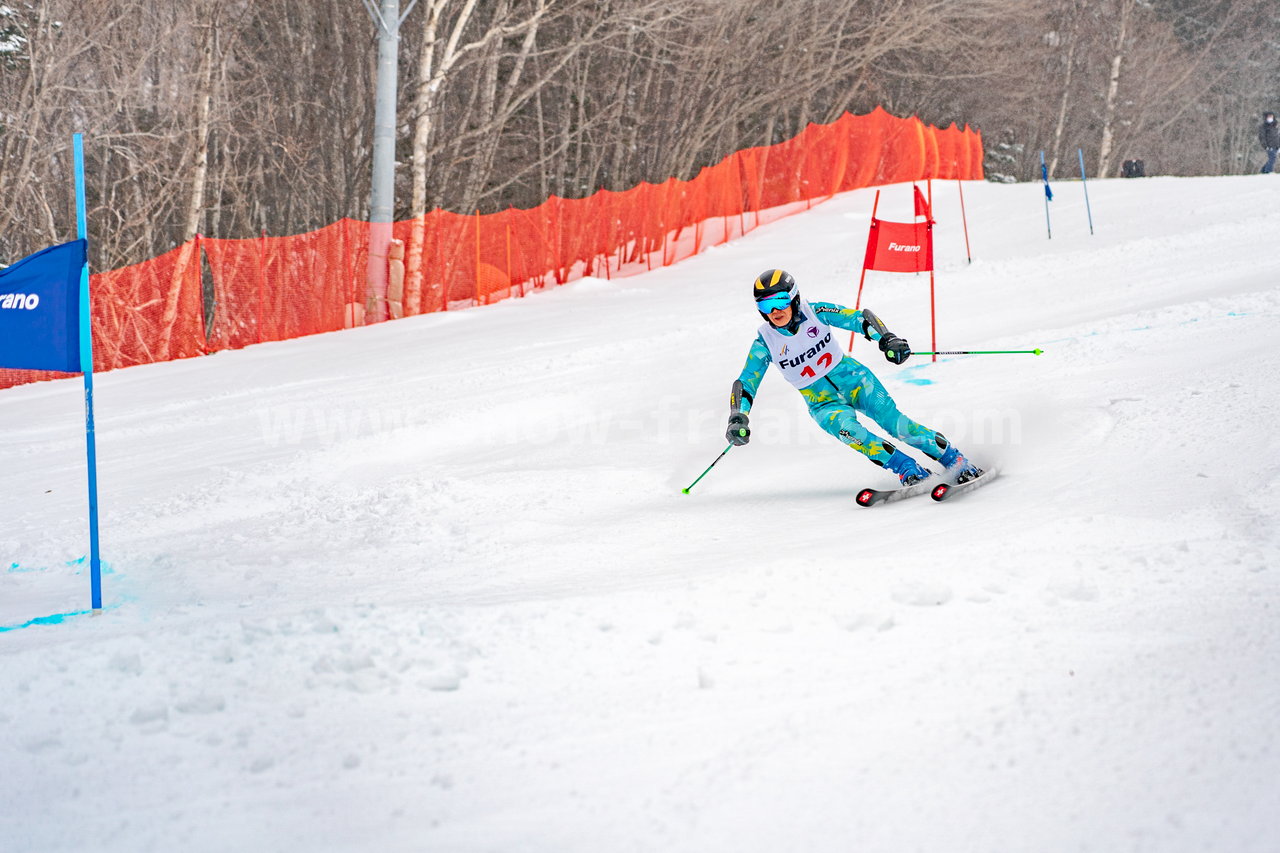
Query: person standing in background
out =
(1269, 136)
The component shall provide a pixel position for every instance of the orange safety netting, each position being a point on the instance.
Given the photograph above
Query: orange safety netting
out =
(211, 294)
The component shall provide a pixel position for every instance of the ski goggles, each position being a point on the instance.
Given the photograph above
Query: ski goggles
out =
(776, 302)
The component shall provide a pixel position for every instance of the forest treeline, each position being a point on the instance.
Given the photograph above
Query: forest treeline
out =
(235, 118)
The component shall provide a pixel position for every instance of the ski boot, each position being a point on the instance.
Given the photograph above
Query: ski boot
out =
(909, 471)
(954, 459)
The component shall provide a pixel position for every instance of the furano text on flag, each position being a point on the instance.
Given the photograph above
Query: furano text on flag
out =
(40, 310)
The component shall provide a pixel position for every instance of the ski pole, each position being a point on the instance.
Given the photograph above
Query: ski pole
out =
(980, 352)
(685, 491)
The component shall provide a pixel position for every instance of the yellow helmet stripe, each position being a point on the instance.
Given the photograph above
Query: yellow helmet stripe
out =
(773, 279)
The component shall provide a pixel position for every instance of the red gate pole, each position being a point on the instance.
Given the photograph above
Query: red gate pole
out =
(875, 205)
(965, 221)
(933, 316)
(933, 313)
(853, 336)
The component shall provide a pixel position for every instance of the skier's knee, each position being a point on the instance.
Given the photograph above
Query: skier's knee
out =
(940, 446)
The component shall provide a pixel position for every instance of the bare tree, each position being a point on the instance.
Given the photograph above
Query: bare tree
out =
(1113, 86)
(239, 117)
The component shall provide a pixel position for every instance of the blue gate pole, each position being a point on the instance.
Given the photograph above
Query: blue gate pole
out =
(86, 368)
(1085, 184)
(1048, 195)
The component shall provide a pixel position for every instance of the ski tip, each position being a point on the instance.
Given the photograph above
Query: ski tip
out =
(865, 497)
(942, 491)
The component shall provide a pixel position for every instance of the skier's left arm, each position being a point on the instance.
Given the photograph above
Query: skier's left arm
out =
(865, 322)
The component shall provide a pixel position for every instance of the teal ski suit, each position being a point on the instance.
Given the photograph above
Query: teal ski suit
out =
(847, 388)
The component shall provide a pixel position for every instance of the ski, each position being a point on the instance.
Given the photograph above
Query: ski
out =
(946, 491)
(871, 497)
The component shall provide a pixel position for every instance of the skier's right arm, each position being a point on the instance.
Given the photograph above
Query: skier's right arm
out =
(744, 392)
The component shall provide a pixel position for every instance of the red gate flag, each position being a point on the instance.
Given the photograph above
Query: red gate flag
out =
(922, 206)
(899, 246)
(902, 247)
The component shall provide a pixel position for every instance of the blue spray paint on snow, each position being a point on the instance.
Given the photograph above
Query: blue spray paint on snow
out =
(911, 375)
(54, 619)
(58, 618)
(78, 565)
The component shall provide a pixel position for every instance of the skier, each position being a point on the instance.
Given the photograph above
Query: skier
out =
(798, 337)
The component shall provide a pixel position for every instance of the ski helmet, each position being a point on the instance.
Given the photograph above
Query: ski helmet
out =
(769, 286)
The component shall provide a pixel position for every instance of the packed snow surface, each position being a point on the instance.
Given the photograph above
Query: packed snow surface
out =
(433, 585)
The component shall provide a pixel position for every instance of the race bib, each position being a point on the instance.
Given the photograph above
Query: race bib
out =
(808, 355)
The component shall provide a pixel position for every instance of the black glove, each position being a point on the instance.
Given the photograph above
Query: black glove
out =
(738, 432)
(895, 349)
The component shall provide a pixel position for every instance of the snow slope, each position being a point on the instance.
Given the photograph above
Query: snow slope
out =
(433, 585)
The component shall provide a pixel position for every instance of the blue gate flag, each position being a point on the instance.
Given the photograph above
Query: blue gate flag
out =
(1048, 195)
(40, 309)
